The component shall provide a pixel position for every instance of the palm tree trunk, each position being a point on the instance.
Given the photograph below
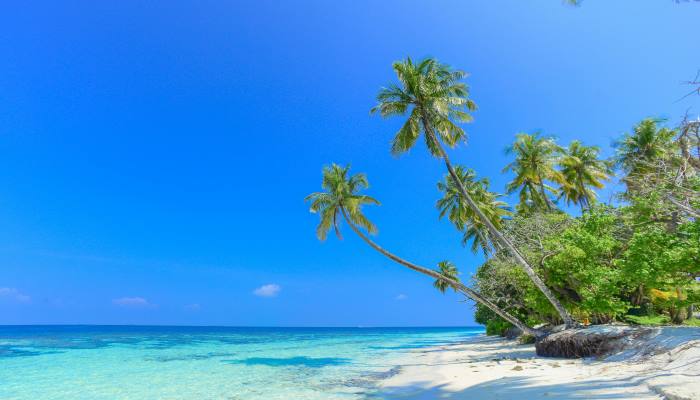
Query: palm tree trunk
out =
(583, 200)
(547, 200)
(456, 285)
(585, 203)
(565, 316)
(543, 193)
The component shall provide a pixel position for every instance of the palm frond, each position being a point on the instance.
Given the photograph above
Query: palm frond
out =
(341, 192)
(408, 134)
(436, 98)
(463, 217)
(449, 271)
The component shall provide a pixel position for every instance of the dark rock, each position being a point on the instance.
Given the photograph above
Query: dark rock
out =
(596, 341)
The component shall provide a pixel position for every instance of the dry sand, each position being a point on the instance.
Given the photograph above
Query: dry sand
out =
(666, 364)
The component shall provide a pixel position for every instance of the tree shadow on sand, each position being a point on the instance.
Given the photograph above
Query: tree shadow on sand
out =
(522, 388)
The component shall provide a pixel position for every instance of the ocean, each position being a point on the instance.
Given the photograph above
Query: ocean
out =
(199, 363)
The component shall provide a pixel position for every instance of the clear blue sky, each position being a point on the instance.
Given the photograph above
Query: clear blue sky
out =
(154, 156)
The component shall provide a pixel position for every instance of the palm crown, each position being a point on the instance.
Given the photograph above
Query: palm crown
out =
(637, 151)
(341, 198)
(430, 92)
(449, 270)
(533, 166)
(581, 170)
(463, 217)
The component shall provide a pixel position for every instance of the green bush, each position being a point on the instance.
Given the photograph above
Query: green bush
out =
(692, 322)
(653, 320)
(497, 327)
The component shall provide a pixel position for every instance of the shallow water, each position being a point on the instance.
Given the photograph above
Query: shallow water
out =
(90, 362)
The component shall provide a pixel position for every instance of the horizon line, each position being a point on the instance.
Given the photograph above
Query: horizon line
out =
(237, 326)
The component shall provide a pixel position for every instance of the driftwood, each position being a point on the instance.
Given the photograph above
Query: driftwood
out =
(595, 341)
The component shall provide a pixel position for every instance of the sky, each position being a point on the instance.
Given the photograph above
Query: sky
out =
(154, 156)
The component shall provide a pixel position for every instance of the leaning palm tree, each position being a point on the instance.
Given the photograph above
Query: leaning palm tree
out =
(533, 167)
(582, 171)
(341, 200)
(435, 100)
(463, 218)
(448, 270)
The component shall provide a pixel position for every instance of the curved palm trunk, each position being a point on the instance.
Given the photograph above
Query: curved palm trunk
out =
(460, 287)
(565, 316)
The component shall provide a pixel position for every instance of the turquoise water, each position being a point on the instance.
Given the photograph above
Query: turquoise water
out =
(90, 362)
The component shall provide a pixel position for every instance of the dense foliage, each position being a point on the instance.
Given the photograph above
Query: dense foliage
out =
(636, 260)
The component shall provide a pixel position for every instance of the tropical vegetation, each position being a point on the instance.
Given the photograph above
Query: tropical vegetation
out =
(559, 255)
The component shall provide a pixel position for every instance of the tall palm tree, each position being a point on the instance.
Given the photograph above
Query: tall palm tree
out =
(533, 167)
(341, 200)
(582, 171)
(463, 217)
(435, 100)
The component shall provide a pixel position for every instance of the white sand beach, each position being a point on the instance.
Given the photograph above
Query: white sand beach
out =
(666, 364)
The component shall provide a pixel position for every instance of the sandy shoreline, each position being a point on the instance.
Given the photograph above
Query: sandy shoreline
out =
(665, 365)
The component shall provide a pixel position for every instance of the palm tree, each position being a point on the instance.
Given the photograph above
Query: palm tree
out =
(582, 170)
(533, 166)
(638, 152)
(435, 100)
(341, 200)
(449, 270)
(463, 217)
(341, 197)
